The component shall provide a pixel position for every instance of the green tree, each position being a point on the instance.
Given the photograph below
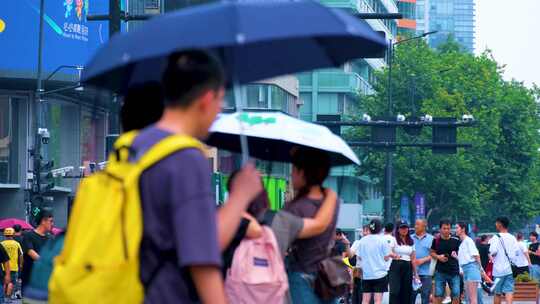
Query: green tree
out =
(500, 174)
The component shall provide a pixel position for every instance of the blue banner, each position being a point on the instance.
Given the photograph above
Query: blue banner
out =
(68, 38)
(405, 209)
(420, 204)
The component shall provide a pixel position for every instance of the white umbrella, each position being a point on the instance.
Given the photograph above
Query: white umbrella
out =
(272, 135)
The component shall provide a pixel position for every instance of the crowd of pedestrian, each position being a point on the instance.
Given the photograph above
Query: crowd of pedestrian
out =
(18, 251)
(191, 252)
(447, 267)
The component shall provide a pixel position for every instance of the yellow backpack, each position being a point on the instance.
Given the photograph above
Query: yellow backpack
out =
(100, 259)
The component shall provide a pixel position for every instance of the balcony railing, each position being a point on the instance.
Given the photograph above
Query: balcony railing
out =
(335, 82)
(344, 4)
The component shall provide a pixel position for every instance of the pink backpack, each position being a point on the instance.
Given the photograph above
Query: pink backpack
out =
(257, 274)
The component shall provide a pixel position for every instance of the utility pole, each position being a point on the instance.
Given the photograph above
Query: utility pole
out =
(388, 172)
(115, 18)
(39, 78)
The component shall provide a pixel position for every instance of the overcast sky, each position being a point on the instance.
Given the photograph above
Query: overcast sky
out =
(511, 29)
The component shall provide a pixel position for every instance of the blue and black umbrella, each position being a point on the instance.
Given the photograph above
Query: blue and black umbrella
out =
(255, 40)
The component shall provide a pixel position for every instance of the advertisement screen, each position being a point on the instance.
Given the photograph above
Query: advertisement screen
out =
(68, 38)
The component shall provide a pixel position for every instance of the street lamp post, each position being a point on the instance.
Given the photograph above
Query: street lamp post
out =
(388, 172)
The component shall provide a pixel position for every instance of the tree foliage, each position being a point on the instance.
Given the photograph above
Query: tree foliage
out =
(500, 174)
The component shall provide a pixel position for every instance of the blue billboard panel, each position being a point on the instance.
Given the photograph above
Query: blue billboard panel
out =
(68, 38)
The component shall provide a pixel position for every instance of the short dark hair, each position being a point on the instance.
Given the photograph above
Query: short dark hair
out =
(519, 236)
(339, 231)
(483, 237)
(389, 228)
(375, 226)
(188, 75)
(445, 222)
(43, 215)
(504, 221)
(534, 234)
(17, 228)
(316, 166)
(142, 106)
(464, 226)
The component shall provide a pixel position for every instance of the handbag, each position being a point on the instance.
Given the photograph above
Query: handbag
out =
(333, 278)
(512, 265)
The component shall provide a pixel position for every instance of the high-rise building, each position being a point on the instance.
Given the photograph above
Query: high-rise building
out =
(407, 25)
(336, 94)
(454, 18)
(333, 93)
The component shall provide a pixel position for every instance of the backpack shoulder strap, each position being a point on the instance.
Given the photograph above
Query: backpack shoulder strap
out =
(122, 146)
(504, 248)
(166, 147)
(126, 139)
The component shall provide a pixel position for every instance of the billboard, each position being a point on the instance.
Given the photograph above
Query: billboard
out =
(68, 38)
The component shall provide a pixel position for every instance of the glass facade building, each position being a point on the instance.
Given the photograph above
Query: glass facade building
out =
(454, 18)
(407, 25)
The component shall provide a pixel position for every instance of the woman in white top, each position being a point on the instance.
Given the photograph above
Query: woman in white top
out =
(523, 261)
(403, 267)
(469, 261)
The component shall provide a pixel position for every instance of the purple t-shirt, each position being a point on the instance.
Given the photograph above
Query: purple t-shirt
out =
(307, 253)
(179, 221)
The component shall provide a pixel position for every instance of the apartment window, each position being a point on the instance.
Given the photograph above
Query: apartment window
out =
(151, 4)
(92, 137)
(257, 96)
(65, 142)
(9, 140)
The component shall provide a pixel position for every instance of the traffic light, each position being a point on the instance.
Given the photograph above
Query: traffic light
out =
(43, 175)
(331, 117)
(384, 134)
(444, 135)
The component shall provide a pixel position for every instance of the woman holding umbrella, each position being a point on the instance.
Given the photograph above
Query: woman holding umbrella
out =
(310, 169)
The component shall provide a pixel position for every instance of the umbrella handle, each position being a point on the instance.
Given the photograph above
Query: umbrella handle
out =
(239, 108)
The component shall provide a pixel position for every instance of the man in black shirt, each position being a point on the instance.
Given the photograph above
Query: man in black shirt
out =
(33, 241)
(18, 233)
(534, 254)
(483, 249)
(444, 250)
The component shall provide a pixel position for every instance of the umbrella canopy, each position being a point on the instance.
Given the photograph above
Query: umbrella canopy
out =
(57, 231)
(272, 135)
(10, 222)
(251, 38)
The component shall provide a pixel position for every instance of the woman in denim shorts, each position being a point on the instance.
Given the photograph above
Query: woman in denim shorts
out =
(469, 262)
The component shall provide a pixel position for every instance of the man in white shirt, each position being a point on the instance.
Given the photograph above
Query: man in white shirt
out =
(503, 248)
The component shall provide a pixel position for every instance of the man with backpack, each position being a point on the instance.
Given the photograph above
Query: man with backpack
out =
(503, 248)
(445, 250)
(164, 232)
(179, 212)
